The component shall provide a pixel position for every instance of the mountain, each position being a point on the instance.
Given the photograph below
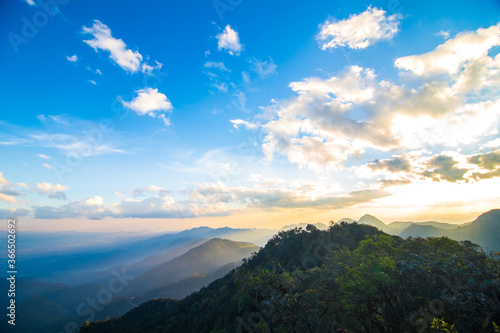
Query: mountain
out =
(204, 259)
(351, 276)
(178, 248)
(72, 262)
(484, 231)
(373, 221)
(181, 289)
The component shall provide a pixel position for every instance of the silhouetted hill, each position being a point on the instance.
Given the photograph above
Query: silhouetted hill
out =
(204, 259)
(374, 222)
(185, 287)
(484, 231)
(81, 265)
(39, 315)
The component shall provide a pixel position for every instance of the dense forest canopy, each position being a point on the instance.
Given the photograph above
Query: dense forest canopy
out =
(350, 276)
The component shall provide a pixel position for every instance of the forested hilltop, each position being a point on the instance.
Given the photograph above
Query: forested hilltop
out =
(350, 276)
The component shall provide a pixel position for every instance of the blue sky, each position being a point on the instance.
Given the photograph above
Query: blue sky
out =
(165, 115)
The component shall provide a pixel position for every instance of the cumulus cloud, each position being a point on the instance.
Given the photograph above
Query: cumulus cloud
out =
(94, 208)
(130, 61)
(259, 197)
(8, 191)
(14, 212)
(359, 31)
(443, 34)
(230, 41)
(240, 122)
(395, 164)
(91, 208)
(149, 102)
(384, 183)
(54, 191)
(72, 58)
(263, 68)
(334, 119)
(153, 207)
(442, 167)
(454, 54)
(45, 157)
(489, 162)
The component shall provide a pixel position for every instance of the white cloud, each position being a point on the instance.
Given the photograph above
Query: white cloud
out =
(89, 143)
(93, 82)
(219, 65)
(30, 2)
(230, 41)
(443, 34)
(359, 31)
(130, 61)
(72, 58)
(55, 191)
(7, 198)
(150, 102)
(47, 166)
(336, 119)
(295, 196)
(153, 207)
(7, 191)
(45, 157)
(139, 191)
(450, 57)
(91, 208)
(263, 68)
(238, 122)
(148, 69)
(495, 143)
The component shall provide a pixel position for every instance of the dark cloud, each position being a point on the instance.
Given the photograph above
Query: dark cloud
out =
(8, 191)
(486, 175)
(394, 164)
(442, 167)
(393, 182)
(488, 161)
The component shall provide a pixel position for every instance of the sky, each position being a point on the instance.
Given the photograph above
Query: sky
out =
(167, 115)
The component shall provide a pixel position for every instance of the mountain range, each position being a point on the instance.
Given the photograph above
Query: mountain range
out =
(352, 276)
(484, 230)
(186, 269)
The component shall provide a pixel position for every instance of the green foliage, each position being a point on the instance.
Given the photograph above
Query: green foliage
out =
(439, 325)
(350, 276)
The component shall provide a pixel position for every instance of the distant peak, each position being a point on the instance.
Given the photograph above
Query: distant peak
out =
(371, 220)
(346, 220)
